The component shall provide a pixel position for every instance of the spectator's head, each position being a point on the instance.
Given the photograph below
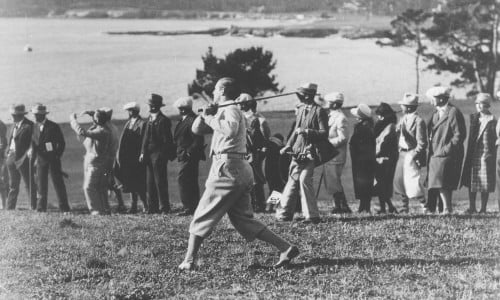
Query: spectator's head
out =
(40, 112)
(247, 102)
(483, 102)
(184, 105)
(439, 95)
(362, 112)
(306, 92)
(385, 112)
(17, 111)
(155, 103)
(409, 103)
(132, 108)
(100, 117)
(226, 89)
(334, 100)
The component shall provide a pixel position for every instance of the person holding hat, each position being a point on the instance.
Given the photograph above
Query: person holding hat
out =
(98, 143)
(258, 133)
(386, 153)
(446, 131)
(479, 167)
(362, 148)
(311, 126)
(337, 135)
(190, 150)
(129, 172)
(17, 161)
(4, 180)
(157, 149)
(47, 149)
(412, 145)
(227, 190)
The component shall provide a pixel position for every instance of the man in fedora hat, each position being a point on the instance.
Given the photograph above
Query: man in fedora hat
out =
(190, 150)
(311, 126)
(97, 140)
(47, 149)
(157, 149)
(17, 160)
(4, 184)
(446, 131)
(412, 144)
(128, 170)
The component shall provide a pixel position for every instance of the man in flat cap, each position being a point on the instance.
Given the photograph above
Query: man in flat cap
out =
(258, 133)
(128, 170)
(47, 149)
(190, 150)
(4, 184)
(412, 144)
(157, 149)
(310, 127)
(17, 161)
(446, 131)
(338, 134)
(115, 137)
(97, 140)
(229, 181)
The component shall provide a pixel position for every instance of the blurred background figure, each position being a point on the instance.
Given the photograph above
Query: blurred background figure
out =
(97, 140)
(276, 166)
(337, 136)
(362, 148)
(258, 133)
(157, 149)
(447, 132)
(386, 154)
(48, 146)
(4, 184)
(480, 161)
(412, 144)
(129, 172)
(17, 161)
(115, 136)
(190, 150)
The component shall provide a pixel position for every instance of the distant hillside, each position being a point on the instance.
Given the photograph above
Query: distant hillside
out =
(154, 8)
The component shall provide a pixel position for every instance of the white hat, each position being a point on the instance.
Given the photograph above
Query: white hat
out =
(244, 97)
(184, 102)
(438, 91)
(132, 106)
(409, 99)
(363, 111)
(484, 98)
(334, 97)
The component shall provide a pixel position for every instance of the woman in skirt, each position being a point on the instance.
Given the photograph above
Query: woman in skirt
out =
(386, 155)
(479, 167)
(362, 148)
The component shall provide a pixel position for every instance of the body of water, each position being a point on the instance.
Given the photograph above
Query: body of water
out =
(76, 66)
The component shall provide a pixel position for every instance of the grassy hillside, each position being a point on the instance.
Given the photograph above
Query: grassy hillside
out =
(359, 256)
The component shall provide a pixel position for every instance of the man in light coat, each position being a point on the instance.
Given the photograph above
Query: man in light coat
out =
(412, 146)
(338, 134)
(446, 131)
(230, 180)
(98, 144)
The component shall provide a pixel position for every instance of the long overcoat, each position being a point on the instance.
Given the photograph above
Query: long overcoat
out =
(362, 148)
(485, 137)
(446, 149)
(387, 152)
(127, 169)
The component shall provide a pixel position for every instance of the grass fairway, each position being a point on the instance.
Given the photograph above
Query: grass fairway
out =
(359, 256)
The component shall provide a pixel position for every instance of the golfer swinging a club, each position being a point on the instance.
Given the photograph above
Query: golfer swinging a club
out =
(230, 180)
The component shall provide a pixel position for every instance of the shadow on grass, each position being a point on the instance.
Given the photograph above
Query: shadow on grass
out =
(409, 217)
(366, 262)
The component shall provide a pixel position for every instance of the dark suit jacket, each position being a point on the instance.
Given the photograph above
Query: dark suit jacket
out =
(487, 139)
(158, 141)
(22, 139)
(52, 134)
(446, 149)
(188, 143)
